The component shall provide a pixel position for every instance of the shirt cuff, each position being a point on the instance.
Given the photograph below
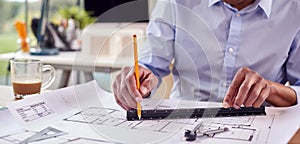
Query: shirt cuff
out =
(297, 91)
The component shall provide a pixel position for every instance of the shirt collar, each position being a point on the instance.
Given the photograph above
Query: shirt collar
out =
(266, 5)
(212, 2)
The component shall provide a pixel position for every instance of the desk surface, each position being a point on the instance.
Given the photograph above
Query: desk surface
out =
(69, 61)
(7, 95)
(76, 60)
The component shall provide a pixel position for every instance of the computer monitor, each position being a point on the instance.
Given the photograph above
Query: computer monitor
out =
(40, 33)
(118, 10)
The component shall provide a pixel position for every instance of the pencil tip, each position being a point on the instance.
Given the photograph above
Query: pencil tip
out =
(134, 35)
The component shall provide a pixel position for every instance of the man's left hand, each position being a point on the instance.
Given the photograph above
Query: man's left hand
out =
(248, 88)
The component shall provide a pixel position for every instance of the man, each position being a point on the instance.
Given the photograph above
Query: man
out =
(239, 52)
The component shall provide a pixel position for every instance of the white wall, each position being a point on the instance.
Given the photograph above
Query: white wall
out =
(151, 5)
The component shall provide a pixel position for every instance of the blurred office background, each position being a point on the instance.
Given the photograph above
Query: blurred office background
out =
(13, 10)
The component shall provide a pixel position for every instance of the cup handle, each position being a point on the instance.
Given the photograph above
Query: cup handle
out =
(51, 78)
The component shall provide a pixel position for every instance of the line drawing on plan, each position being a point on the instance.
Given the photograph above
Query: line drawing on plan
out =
(240, 128)
(34, 111)
(23, 136)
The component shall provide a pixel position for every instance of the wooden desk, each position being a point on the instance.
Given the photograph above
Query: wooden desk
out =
(76, 61)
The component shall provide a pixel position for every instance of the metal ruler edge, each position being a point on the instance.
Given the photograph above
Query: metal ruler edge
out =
(194, 113)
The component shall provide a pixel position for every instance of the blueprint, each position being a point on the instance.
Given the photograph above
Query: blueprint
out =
(241, 129)
(87, 114)
(21, 136)
(35, 111)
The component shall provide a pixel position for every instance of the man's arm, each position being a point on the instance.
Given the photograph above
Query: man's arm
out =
(251, 89)
(281, 95)
(248, 88)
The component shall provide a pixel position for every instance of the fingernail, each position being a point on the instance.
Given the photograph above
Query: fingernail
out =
(138, 99)
(226, 105)
(144, 90)
(236, 106)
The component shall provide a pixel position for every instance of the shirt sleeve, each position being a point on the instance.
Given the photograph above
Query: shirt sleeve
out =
(158, 51)
(293, 66)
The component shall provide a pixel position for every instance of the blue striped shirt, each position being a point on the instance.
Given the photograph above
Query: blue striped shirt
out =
(209, 40)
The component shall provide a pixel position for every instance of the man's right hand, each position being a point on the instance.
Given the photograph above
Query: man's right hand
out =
(125, 90)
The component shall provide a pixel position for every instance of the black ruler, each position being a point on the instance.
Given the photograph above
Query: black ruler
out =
(195, 113)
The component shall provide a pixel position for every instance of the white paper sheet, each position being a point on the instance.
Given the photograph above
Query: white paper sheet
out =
(87, 113)
(7, 121)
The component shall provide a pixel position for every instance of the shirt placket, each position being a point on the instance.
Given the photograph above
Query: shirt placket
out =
(231, 48)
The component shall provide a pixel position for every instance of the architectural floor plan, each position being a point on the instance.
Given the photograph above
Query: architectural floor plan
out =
(34, 111)
(241, 129)
(28, 136)
(92, 116)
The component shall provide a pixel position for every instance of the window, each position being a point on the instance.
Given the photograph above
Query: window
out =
(12, 10)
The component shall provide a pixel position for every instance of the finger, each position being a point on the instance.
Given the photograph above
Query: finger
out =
(116, 84)
(124, 103)
(243, 92)
(254, 94)
(234, 86)
(229, 98)
(148, 84)
(125, 99)
(120, 103)
(263, 96)
(116, 90)
(128, 80)
(129, 100)
(131, 85)
(119, 80)
(239, 78)
(119, 88)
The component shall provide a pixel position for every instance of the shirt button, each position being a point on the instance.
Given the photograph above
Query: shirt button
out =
(224, 84)
(230, 50)
(238, 14)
